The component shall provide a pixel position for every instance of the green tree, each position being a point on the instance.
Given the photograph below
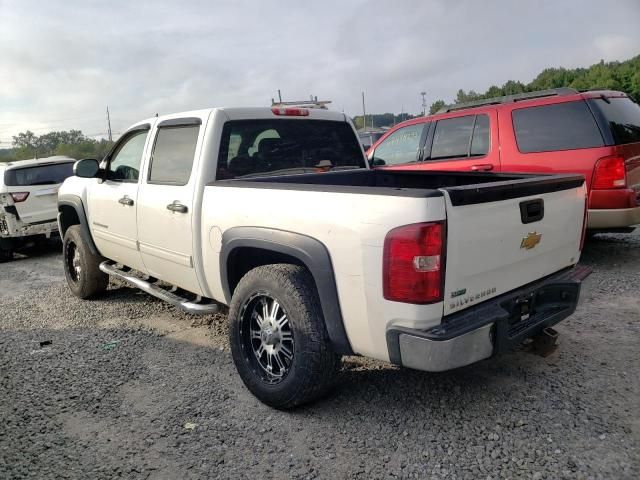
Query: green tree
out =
(72, 143)
(437, 105)
(624, 76)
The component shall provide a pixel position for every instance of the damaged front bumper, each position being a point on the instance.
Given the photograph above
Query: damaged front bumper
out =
(490, 327)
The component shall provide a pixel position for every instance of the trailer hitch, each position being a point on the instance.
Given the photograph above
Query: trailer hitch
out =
(545, 343)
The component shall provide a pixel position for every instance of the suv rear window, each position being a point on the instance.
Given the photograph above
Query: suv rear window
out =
(272, 147)
(623, 117)
(38, 175)
(561, 126)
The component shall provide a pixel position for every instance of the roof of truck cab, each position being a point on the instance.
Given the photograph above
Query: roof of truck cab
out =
(35, 162)
(246, 113)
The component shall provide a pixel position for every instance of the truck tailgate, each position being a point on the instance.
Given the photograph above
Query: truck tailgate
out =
(503, 235)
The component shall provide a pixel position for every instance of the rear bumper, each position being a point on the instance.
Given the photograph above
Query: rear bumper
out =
(613, 218)
(12, 227)
(490, 327)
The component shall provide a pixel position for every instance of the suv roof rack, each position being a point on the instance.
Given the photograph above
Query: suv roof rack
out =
(509, 98)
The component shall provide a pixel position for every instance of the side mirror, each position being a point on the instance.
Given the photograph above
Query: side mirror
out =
(86, 168)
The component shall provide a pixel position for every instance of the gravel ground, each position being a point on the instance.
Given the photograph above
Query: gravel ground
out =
(129, 387)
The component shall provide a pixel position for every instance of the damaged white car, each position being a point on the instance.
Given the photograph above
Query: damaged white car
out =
(28, 201)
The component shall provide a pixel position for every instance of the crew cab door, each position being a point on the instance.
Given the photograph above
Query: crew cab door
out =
(112, 201)
(166, 204)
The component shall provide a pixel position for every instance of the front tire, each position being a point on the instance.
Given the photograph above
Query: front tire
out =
(279, 342)
(81, 267)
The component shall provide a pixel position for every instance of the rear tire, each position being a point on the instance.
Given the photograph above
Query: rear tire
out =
(278, 338)
(81, 267)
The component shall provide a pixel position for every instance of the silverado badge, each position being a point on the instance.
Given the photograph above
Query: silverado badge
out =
(531, 240)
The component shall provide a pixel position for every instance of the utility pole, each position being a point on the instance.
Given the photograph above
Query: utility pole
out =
(424, 103)
(364, 114)
(109, 124)
(279, 96)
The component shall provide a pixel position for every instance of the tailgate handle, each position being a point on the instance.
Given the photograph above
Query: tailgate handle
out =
(532, 210)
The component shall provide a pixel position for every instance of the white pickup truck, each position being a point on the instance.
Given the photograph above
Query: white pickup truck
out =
(275, 213)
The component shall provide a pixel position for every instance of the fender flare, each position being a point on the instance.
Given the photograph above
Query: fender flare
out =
(307, 250)
(75, 202)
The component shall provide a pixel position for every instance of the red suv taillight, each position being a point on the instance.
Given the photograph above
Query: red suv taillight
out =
(19, 196)
(609, 173)
(413, 263)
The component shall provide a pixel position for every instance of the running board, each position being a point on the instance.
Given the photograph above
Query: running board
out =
(182, 303)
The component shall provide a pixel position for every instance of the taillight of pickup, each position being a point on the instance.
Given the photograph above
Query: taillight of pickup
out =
(414, 263)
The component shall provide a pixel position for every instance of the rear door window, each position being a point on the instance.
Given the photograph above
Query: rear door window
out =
(452, 137)
(562, 126)
(621, 116)
(173, 154)
(399, 147)
(274, 147)
(481, 137)
(38, 175)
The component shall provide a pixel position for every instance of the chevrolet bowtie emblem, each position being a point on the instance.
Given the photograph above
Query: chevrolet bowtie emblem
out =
(531, 240)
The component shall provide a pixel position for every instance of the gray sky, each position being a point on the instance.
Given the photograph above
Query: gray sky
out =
(62, 62)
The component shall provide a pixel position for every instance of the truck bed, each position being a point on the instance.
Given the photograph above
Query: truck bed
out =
(464, 188)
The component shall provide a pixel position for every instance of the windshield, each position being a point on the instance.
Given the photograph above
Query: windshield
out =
(271, 147)
(622, 116)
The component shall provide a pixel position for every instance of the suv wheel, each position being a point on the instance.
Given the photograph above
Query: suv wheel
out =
(5, 255)
(278, 339)
(81, 267)
(6, 249)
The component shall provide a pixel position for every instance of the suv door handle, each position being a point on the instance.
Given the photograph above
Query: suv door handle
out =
(177, 207)
(485, 167)
(126, 201)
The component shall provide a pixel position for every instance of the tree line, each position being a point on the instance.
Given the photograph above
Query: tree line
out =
(72, 143)
(623, 76)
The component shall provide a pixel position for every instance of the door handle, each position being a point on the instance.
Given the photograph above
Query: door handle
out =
(126, 201)
(485, 167)
(177, 207)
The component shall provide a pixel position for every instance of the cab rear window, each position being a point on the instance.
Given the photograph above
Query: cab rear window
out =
(621, 117)
(38, 175)
(284, 147)
(561, 126)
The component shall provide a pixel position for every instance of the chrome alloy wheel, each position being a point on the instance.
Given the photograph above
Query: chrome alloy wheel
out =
(73, 262)
(267, 336)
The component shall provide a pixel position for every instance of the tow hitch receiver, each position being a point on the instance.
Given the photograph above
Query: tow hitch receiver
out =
(545, 343)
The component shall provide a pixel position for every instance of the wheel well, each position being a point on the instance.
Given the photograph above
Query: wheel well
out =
(242, 260)
(68, 217)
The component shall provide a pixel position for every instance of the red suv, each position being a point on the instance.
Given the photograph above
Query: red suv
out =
(595, 133)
